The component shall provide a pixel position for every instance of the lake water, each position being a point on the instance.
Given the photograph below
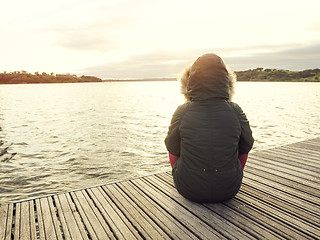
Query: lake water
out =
(72, 136)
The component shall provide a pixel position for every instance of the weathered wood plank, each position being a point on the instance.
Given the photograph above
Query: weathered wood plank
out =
(302, 147)
(65, 230)
(33, 231)
(283, 178)
(25, 221)
(118, 223)
(71, 224)
(3, 220)
(284, 161)
(295, 159)
(257, 163)
(286, 175)
(312, 141)
(299, 149)
(241, 221)
(17, 221)
(198, 227)
(218, 223)
(40, 220)
(290, 157)
(264, 219)
(9, 222)
(310, 149)
(290, 207)
(284, 221)
(139, 219)
(301, 203)
(77, 217)
(168, 223)
(305, 173)
(48, 222)
(54, 216)
(92, 218)
(286, 189)
(279, 199)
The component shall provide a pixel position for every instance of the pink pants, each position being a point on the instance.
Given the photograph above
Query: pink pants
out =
(242, 158)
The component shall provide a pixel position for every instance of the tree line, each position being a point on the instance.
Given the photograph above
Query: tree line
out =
(23, 77)
(258, 74)
(275, 75)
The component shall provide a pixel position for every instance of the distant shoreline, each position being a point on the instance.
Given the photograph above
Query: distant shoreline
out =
(251, 75)
(174, 80)
(23, 77)
(141, 80)
(153, 80)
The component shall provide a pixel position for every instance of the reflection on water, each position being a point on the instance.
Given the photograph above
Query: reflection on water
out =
(281, 113)
(71, 136)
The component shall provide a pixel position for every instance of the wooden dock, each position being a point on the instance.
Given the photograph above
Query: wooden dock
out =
(279, 199)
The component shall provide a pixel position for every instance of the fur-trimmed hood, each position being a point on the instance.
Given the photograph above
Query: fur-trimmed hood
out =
(208, 77)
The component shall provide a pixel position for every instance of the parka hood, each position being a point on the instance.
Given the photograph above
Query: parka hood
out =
(207, 78)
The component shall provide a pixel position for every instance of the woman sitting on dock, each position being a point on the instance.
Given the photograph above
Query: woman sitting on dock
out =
(209, 137)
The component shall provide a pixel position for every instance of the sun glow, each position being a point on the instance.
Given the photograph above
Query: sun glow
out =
(97, 37)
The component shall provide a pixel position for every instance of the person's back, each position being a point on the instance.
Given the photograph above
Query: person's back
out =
(207, 134)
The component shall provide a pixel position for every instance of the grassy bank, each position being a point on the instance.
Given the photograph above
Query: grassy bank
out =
(24, 77)
(274, 75)
(254, 75)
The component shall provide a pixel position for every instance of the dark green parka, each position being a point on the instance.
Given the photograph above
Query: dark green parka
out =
(207, 134)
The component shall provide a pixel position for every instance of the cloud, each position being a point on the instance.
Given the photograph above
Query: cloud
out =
(315, 27)
(141, 66)
(86, 40)
(295, 58)
(100, 35)
(170, 63)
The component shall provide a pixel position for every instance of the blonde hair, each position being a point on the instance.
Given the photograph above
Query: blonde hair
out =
(232, 76)
(183, 78)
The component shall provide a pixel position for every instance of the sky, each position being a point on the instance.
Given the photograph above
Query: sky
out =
(130, 39)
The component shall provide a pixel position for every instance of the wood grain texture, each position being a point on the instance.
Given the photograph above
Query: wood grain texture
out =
(279, 199)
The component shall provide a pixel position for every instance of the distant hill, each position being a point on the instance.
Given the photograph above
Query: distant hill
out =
(254, 75)
(24, 77)
(274, 75)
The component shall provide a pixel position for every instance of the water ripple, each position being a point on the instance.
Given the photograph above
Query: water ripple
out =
(71, 136)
